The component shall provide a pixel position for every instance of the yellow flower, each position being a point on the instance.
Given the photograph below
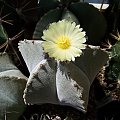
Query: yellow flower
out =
(63, 40)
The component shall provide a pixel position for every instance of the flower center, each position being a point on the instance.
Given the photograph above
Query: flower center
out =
(63, 42)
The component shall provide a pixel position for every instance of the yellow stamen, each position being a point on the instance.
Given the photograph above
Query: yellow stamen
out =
(63, 42)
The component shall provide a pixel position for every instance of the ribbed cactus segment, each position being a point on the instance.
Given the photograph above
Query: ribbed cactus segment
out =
(113, 70)
(91, 61)
(72, 86)
(12, 85)
(47, 5)
(115, 51)
(68, 15)
(32, 53)
(41, 85)
(91, 20)
(43, 23)
(3, 35)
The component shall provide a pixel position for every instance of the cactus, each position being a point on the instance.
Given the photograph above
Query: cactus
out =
(3, 35)
(59, 83)
(12, 84)
(113, 70)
